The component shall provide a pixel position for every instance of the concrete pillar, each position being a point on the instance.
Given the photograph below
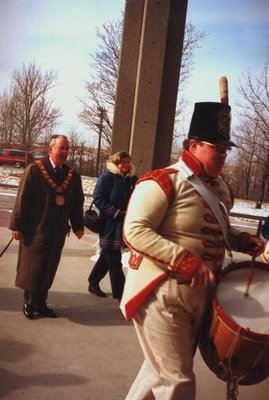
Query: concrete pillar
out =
(148, 81)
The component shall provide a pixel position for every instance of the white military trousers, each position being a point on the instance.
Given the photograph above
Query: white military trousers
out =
(167, 325)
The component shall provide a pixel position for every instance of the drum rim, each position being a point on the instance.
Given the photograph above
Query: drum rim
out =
(217, 308)
(241, 264)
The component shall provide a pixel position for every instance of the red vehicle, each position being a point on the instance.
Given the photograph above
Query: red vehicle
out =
(15, 157)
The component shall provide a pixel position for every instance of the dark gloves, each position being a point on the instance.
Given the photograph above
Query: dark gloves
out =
(250, 244)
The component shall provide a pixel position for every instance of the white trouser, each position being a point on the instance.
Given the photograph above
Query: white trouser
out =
(167, 326)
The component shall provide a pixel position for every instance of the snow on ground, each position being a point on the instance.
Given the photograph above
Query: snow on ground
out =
(248, 207)
(11, 176)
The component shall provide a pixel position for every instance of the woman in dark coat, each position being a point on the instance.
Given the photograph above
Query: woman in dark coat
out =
(111, 196)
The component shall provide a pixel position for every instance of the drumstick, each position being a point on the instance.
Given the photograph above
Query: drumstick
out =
(250, 276)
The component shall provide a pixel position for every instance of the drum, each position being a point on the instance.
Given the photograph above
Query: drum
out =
(235, 339)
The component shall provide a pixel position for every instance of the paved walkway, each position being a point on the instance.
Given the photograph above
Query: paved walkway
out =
(90, 352)
(4, 218)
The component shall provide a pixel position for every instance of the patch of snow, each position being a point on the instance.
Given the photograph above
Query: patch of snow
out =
(248, 207)
(11, 176)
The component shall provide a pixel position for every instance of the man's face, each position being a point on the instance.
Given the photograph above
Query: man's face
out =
(211, 156)
(59, 151)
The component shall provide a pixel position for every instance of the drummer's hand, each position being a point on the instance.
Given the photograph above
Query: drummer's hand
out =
(258, 247)
(250, 244)
(203, 276)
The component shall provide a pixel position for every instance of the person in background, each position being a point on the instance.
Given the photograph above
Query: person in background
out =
(265, 234)
(111, 195)
(177, 248)
(49, 197)
(265, 228)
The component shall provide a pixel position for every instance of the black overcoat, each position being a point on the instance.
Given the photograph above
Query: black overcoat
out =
(44, 225)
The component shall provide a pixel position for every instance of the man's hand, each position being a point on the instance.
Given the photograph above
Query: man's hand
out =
(79, 234)
(203, 276)
(258, 246)
(16, 235)
(250, 244)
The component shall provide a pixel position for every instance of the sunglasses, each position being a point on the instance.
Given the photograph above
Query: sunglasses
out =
(219, 148)
(58, 136)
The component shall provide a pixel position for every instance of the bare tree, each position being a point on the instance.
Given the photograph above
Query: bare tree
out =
(7, 119)
(74, 145)
(253, 133)
(81, 157)
(32, 116)
(101, 88)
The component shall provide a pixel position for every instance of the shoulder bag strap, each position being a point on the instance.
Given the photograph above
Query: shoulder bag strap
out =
(92, 203)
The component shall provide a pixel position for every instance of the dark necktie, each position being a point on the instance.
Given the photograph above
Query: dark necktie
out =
(57, 171)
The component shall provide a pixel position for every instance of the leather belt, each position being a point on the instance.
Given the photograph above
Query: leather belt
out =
(178, 278)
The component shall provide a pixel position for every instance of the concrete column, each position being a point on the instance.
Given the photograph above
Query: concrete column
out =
(148, 81)
(126, 85)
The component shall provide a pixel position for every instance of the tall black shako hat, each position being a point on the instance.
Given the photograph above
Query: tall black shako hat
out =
(211, 123)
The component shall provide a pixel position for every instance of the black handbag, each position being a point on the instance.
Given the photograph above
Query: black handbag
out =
(94, 221)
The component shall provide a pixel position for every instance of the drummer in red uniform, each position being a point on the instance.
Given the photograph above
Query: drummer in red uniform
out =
(178, 229)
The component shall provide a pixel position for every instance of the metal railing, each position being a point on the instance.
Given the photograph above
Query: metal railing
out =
(258, 218)
(233, 215)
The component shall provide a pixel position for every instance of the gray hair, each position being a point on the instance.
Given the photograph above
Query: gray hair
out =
(53, 138)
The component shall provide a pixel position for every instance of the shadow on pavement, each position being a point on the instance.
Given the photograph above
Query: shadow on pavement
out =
(11, 381)
(80, 308)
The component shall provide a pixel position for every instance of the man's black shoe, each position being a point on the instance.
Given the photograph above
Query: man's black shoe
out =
(95, 289)
(46, 311)
(28, 310)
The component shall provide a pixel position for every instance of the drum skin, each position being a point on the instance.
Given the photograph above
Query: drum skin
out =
(232, 352)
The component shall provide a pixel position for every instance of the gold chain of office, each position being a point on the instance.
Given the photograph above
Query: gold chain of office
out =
(59, 189)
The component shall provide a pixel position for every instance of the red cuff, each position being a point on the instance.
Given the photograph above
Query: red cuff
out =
(186, 264)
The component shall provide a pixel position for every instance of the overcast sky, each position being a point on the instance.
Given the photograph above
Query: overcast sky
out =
(61, 34)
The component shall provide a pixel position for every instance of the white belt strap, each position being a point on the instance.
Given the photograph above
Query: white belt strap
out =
(216, 206)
